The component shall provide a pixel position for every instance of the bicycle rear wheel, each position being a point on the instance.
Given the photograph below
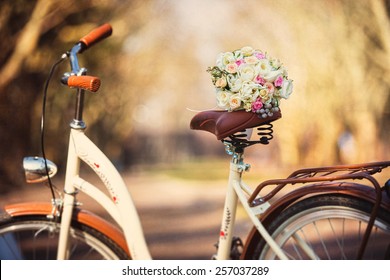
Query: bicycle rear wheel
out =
(36, 237)
(328, 227)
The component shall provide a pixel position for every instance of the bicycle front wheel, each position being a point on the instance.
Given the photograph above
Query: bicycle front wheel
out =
(328, 227)
(36, 238)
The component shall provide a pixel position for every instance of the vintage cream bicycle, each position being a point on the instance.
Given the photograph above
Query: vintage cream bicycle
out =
(336, 212)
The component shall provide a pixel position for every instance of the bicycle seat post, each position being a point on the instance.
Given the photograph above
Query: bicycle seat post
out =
(235, 152)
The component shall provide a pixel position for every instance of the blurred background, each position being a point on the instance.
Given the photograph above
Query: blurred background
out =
(153, 72)
(154, 79)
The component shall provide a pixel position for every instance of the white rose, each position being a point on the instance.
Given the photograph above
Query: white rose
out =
(221, 82)
(248, 90)
(263, 67)
(266, 96)
(287, 88)
(272, 75)
(246, 72)
(223, 98)
(247, 106)
(224, 59)
(234, 83)
(251, 59)
(247, 51)
(234, 102)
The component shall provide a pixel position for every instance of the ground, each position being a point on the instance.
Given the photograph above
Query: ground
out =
(180, 217)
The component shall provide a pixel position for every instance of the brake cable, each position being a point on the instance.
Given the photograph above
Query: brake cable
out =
(43, 119)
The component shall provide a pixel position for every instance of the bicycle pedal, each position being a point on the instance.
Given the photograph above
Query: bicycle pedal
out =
(236, 249)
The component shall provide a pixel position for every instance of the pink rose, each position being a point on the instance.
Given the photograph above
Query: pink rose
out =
(260, 80)
(257, 105)
(279, 81)
(231, 68)
(239, 62)
(270, 87)
(259, 55)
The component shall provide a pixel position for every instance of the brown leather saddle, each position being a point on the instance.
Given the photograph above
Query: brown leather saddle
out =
(223, 123)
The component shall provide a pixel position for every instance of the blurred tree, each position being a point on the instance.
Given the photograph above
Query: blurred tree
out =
(339, 52)
(33, 34)
(19, 36)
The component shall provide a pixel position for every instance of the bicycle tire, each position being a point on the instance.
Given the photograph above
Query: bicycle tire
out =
(36, 237)
(332, 225)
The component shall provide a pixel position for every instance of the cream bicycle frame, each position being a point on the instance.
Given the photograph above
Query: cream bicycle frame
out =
(120, 204)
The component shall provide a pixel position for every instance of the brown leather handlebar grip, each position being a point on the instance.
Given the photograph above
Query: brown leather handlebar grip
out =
(97, 35)
(84, 82)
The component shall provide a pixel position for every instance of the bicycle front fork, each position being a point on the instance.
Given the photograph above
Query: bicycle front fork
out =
(72, 170)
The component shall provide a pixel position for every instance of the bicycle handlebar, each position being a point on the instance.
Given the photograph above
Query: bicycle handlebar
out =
(84, 82)
(95, 36)
(76, 78)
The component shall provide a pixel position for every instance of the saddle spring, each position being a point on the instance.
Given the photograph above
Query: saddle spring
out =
(241, 140)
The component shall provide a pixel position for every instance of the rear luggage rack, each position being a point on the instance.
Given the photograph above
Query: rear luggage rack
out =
(321, 174)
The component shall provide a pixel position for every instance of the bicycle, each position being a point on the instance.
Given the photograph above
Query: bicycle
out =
(327, 215)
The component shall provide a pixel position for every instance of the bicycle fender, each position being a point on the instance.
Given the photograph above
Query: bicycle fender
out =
(352, 189)
(81, 216)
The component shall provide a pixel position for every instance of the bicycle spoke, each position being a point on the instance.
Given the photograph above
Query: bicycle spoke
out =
(305, 247)
(296, 249)
(330, 227)
(321, 239)
(8, 241)
(340, 246)
(38, 239)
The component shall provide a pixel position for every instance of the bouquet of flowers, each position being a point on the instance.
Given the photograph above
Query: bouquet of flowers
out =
(248, 79)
